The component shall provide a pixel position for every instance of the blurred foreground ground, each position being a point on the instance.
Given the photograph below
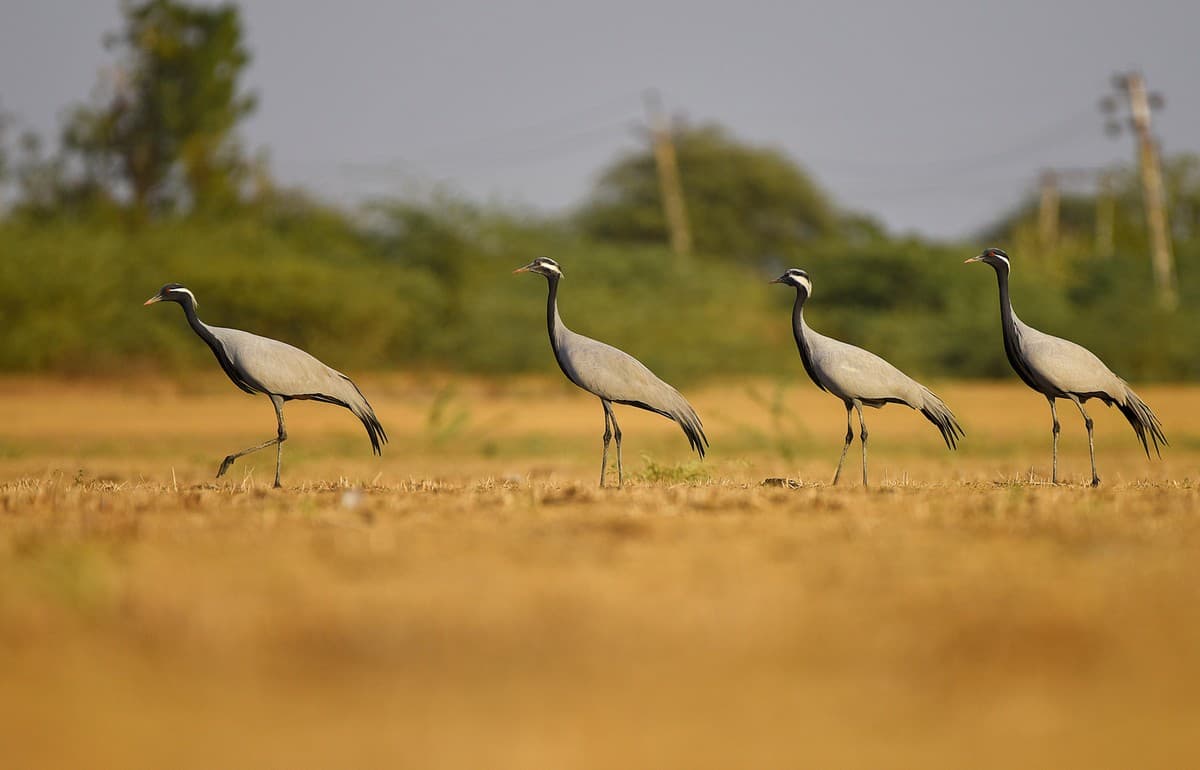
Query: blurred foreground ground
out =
(472, 600)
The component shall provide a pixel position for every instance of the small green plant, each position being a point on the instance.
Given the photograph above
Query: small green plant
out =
(785, 426)
(447, 417)
(682, 473)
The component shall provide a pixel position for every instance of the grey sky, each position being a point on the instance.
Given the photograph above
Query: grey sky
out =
(935, 116)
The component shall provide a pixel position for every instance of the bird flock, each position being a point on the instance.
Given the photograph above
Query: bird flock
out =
(1055, 367)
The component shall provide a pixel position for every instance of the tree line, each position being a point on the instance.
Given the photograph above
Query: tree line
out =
(148, 181)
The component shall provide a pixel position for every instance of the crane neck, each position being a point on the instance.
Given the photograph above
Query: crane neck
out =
(800, 331)
(1007, 316)
(557, 330)
(202, 331)
(231, 370)
(554, 324)
(1010, 327)
(799, 327)
(553, 321)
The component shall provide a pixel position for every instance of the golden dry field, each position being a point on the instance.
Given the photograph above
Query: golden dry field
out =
(473, 600)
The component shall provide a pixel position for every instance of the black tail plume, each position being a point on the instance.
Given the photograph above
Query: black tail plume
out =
(353, 399)
(374, 430)
(690, 422)
(1143, 421)
(936, 411)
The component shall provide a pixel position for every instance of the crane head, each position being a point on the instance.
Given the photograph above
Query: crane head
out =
(994, 257)
(542, 266)
(796, 277)
(173, 292)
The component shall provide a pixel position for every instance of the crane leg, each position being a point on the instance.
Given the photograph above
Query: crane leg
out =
(862, 435)
(1056, 429)
(1087, 422)
(617, 435)
(280, 437)
(846, 446)
(607, 438)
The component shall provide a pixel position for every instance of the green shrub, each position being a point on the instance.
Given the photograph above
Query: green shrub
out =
(430, 286)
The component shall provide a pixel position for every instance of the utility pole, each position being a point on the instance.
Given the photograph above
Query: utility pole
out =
(674, 209)
(1133, 87)
(1048, 211)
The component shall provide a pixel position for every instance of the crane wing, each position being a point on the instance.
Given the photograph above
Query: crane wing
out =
(851, 372)
(1066, 366)
(274, 367)
(616, 376)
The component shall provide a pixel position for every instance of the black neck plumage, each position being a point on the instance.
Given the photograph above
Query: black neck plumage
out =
(1008, 325)
(214, 344)
(553, 322)
(801, 340)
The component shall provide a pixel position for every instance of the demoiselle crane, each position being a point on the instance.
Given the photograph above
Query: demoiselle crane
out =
(860, 378)
(1059, 368)
(612, 375)
(278, 370)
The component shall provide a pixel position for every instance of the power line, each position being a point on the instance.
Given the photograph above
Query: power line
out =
(1046, 138)
(931, 188)
(928, 189)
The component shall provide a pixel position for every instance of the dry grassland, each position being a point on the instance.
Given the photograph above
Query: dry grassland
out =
(473, 600)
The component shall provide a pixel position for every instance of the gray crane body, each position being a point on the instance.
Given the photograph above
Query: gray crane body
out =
(1058, 368)
(860, 378)
(272, 367)
(850, 372)
(612, 375)
(276, 369)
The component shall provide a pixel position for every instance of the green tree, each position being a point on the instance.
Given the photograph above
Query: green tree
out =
(45, 189)
(1182, 180)
(1076, 218)
(164, 135)
(744, 202)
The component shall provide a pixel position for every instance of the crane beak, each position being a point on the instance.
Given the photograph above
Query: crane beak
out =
(152, 300)
(776, 280)
(973, 259)
(525, 269)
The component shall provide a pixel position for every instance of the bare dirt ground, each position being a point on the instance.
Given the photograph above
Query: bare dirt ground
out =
(473, 600)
